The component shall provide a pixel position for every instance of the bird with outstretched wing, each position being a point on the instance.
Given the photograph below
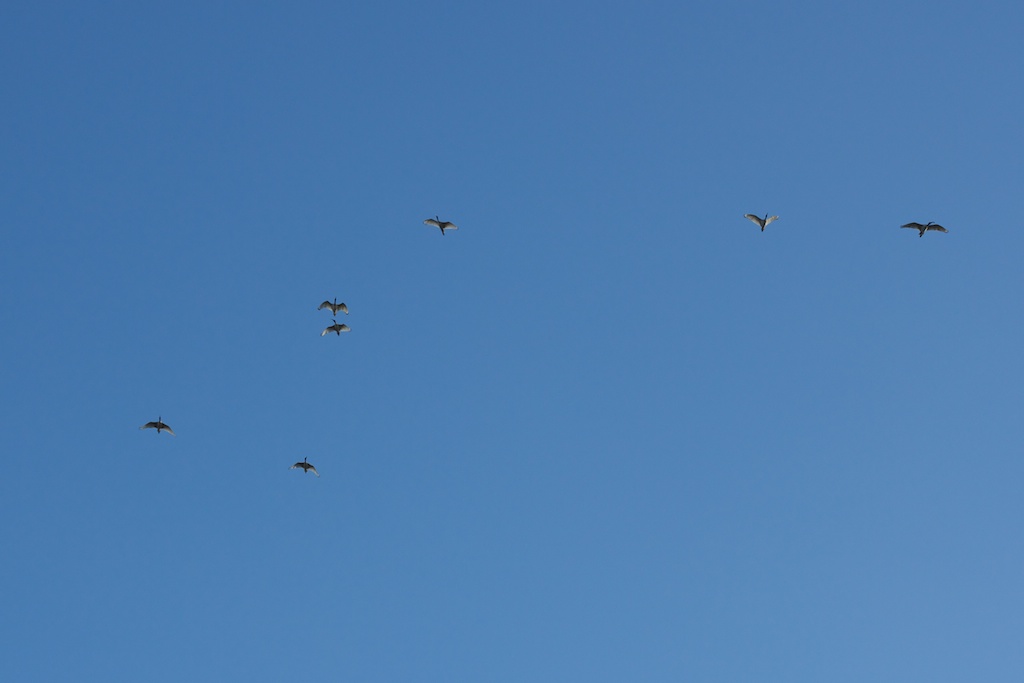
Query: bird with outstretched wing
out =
(159, 426)
(336, 328)
(922, 229)
(761, 221)
(305, 466)
(438, 223)
(334, 306)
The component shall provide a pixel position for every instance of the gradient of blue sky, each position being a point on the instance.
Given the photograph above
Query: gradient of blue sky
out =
(606, 431)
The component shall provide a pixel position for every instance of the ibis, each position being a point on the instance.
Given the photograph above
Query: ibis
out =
(335, 328)
(922, 229)
(335, 307)
(438, 223)
(305, 466)
(761, 221)
(159, 426)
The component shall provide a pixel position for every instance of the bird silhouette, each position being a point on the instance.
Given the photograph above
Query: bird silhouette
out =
(305, 466)
(335, 328)
(335, 307)
(761, 221)
(438, 223)
(924, 228)
(159, 426)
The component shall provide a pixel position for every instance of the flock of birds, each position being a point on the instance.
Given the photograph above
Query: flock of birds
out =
(337, 328)
(921, 228)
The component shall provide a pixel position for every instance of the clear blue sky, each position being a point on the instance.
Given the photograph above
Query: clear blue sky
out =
(606, 431)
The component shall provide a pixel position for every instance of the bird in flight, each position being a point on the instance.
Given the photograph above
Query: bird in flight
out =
(438, 223)
(923, 228)
(159, 426)
(761, 221)
(304, 465)
(335, 328)
(335, 307)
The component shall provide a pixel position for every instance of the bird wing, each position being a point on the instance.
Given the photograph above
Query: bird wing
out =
(314, 471)
(326, 304)
(770, 219)
(431, 221)
(168, 430)
(148, 425)
(449, 226)
(341, 307)
(756, 219)
(344, 328)
(327, 330)
(937, 227)
(915, 226)
(297, 466)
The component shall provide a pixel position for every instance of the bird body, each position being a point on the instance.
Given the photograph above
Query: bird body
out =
(438, 223)
(159, 426)
(335, 307)
(761, 221)
(305, 466)
(924, 228)
(335, 328)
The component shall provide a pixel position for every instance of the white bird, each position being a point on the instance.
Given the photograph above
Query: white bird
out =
(335, 328)
(438, 223)
(305, 466)
(335, 307)
(159, 426)
(761, 221)
(922, 228)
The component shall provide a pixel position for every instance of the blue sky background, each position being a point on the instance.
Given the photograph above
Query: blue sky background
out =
(606, 431)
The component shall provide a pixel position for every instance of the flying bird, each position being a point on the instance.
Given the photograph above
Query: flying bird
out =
(305, 466)
(923, 228)
(761, 221)
(438, 223)
(335, 328)
(159, 426)
(335, 307)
